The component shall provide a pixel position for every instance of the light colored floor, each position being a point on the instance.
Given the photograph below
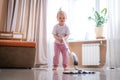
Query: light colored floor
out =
(48, 74)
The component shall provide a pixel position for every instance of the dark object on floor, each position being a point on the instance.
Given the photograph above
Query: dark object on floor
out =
(112, 68)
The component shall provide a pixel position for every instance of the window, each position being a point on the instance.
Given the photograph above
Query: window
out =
(77, 16)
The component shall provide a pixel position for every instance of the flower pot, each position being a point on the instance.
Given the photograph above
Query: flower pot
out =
(99, 32)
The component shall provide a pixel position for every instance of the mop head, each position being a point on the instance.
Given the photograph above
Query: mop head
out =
(78, 72)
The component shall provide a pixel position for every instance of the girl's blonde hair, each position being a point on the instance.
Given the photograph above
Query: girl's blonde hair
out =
(61, 12)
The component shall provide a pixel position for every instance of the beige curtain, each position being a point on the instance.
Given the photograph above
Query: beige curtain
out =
(29, 18)
(113, 54)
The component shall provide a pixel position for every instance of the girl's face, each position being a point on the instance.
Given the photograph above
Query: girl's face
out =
(61, 18)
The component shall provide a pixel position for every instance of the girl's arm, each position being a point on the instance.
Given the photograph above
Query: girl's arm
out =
(66, 37)
(58, 38)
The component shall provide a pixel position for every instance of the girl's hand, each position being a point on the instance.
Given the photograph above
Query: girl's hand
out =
(60, 40)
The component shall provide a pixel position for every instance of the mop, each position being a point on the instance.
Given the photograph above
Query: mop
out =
(75, 63)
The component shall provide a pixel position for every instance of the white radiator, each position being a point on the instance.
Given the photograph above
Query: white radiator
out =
(91, 54)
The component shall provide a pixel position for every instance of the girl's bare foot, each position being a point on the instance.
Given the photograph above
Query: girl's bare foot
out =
(54, 68)
(65, 69)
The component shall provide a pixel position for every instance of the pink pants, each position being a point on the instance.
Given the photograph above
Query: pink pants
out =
(60, 48)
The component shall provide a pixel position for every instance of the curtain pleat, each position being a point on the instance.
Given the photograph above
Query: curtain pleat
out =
(10, 14)
(42, 46)
(14, 22)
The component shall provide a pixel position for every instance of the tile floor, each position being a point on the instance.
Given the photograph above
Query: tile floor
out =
(48, 74)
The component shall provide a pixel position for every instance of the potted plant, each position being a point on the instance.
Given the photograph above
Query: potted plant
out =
(100, 18)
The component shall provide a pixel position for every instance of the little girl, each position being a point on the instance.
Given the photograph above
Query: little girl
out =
(60, 31)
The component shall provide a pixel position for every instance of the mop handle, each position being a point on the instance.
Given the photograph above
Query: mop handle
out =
(66, 45)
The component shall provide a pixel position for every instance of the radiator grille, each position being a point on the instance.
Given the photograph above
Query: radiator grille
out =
(90, 54)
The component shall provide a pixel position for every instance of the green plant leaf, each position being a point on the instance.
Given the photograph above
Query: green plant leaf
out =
(99, 18)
